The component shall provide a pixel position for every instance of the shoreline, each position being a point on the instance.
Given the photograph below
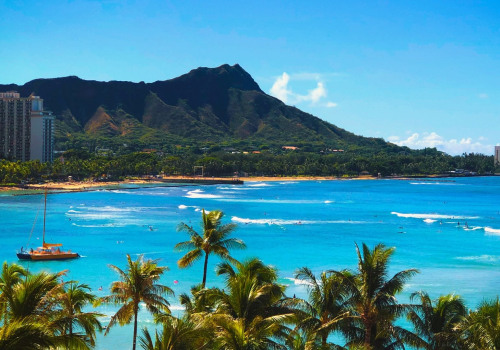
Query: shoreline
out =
(84, 186)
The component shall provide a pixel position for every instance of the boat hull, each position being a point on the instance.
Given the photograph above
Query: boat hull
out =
(47, 257)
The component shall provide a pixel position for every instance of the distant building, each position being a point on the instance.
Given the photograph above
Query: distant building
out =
(15, 126)
(26, 130)
(497, 155)
(42, 132)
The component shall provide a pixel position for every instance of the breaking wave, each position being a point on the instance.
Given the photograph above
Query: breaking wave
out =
(282, 222)
(200, 194)
(433, 216)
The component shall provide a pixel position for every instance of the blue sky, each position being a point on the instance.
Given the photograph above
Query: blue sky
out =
(417, 73)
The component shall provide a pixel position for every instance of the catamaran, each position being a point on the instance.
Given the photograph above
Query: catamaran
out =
(48, 251)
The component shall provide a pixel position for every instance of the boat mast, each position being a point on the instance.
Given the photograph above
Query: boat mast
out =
(44, 214)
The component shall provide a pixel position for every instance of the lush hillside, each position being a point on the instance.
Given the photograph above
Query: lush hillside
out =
(206, 105)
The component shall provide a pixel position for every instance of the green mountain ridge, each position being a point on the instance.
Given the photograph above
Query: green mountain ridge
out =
(206, 105)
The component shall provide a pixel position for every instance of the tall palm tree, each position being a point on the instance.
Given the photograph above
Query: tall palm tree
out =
(481, 328)
(71, 317)
(436, 323)
(327, 308)
(374, 303)
(137, 284)
(215, 239)
(248, 311)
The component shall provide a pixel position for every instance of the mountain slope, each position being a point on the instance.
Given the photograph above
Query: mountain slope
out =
(204, 105)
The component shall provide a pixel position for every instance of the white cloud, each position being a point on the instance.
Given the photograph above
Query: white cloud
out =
(331, 104)
(281, 90)
(483, 96)
(451, 146)
(316, 94)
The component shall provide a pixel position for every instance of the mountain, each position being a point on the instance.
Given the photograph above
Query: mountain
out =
(204, 105)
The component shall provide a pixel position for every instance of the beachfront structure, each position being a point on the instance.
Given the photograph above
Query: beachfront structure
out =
(42, 132)
(26, 130)
(497, 155)
(15, 126)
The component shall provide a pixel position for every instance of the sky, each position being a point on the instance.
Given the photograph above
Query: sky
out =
(416, 73)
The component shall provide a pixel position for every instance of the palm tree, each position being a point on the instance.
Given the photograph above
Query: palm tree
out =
(35, 296)
(25, 335)
(374, 303)
(11, 275)
(328, 306)
(34, 308)
(481, 328)
(214, 240)
(177, 334)
(198, 302)
(248, 311)
(73, 299)
(436, 323)
(138, 284)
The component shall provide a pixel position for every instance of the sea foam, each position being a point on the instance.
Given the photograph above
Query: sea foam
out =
(282, 222)
(433, 216)
(201, 194)
(480, 258)
(493, 231)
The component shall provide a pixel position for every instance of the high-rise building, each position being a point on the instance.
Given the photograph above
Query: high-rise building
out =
(42, 132)
(26, 130)
(497, 155)
(15, 126)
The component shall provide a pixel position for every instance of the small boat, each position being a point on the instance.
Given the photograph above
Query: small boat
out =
(48, 251)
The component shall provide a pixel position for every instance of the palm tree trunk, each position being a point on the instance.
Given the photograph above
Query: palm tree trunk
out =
(135, 327)
(205, 270)
(368, 335)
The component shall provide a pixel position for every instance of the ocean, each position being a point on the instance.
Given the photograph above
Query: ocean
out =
(449, 229)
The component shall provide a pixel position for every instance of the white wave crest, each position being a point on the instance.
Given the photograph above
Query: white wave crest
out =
(103, 225)
(473, 228)
(480, 258)
(429, 221)
(282, 222)
(433, 216)
(260, 184)
(493, 231)
(436, 183)
(200, 194)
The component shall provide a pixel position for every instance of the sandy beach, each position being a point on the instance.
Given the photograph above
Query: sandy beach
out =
(78, 186)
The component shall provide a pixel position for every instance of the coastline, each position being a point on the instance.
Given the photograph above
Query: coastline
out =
(83, 186)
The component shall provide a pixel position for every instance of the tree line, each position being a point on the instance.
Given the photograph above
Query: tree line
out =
(250, 312)
(81, 164)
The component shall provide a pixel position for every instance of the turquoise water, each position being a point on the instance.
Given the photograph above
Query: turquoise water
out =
(286, 224)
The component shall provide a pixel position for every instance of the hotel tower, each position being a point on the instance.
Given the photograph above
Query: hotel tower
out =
(26, 130)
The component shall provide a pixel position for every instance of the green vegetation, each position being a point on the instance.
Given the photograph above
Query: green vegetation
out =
(214, 240)
(250, 312)
(80, 164)
(39, 311)
(137, 285)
